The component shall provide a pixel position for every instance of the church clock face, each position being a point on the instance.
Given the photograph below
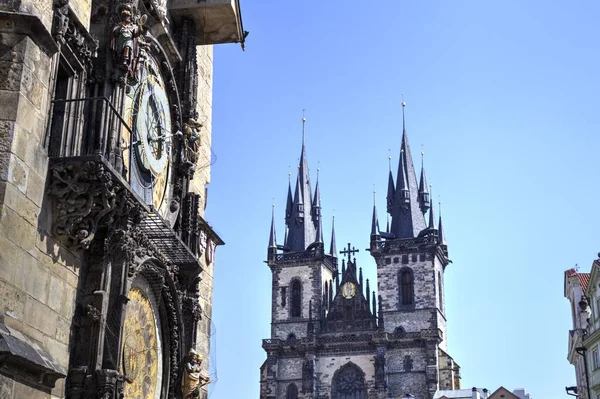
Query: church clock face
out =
(348, 290)
(148, 114)
(141, 360)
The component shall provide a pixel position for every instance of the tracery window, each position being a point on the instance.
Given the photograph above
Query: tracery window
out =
(292, 392)
(407, 287)
(296, 301)
(349, 383)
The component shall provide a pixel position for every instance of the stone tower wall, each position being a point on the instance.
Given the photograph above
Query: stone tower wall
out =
(312, 275)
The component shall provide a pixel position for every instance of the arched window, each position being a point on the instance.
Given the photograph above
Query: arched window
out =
(292, 392)
(349, 383)
(407, 287)
(296, 301)
(441, 296)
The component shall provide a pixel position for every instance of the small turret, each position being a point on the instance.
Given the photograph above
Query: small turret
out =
(402, 194)
(441, 236)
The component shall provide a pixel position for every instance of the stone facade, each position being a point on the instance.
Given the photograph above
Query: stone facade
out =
(331, 336)
(64, 340)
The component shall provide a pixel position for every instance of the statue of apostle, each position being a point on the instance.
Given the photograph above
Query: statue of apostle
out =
(124, 43)
(192, 381)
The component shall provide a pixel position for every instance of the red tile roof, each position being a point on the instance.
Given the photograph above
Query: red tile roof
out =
(584, 280)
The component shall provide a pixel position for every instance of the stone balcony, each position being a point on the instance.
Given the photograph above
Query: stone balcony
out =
(217, 21)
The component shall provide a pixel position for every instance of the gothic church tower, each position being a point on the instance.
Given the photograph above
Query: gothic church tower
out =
(331, 336)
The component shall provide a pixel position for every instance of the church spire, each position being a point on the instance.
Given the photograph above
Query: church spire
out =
(407, 219)
(301, 228)
(431, 217)
(423, 193)
(333, 248)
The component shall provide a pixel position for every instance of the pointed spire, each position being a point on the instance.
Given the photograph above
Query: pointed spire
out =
(407, 219)
(302, 229)
(431, 217)
(374, 221)
(423, 193)
(374, 305)
(272, 238)
(440, 230)
(333, 248)
(367, 295)
(391, 190)
(272, 249)
(290, 202)
(360, 279)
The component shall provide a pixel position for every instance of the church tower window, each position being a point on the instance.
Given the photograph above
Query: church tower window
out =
(296, 310)
(406, 285)
(292, 392)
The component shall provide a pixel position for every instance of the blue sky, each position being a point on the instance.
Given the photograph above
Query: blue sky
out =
(502, 98)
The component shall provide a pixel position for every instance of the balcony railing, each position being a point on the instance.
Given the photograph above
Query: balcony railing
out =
(91, 126)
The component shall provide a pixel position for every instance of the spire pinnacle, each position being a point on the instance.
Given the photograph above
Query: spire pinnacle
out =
(332, 248)
(272, 238)
(440, 230)
(424, 195)
(431, 225)
(374, 220)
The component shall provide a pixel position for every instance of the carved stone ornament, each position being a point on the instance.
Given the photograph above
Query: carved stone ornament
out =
(76, 43)
(210, 251)
(87, 197)
(202, 243)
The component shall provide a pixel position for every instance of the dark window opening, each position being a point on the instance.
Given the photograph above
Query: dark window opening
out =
(405, 259)
(406, 287)
(296, 299)
(59, 111)
(292, 392)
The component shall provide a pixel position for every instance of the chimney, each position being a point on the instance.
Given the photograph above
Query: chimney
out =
(475, 394)
(485, 393)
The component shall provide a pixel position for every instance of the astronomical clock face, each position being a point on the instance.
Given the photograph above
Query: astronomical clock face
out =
(147, 112)
(348, 290)
(141, 361)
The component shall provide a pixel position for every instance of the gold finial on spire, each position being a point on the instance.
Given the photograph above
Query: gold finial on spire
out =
(403, 102)
(403, 118)
(374, 192)
(390, 158)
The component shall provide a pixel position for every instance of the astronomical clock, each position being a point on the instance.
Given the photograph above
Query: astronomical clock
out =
(149, 146)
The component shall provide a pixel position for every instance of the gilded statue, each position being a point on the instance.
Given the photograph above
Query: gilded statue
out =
(192, 381)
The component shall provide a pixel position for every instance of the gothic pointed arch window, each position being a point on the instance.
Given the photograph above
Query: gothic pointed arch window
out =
(349, 383)
(296, 300)
(292, 391)
(406, 283)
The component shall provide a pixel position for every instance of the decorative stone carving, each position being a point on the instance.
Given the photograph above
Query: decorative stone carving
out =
(308, 374)
(210, 250)
(202, 243)
(86, 198)
(76, 43)
(380, 368)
